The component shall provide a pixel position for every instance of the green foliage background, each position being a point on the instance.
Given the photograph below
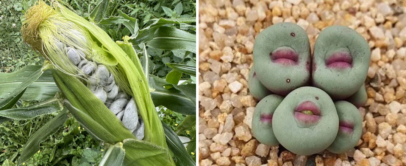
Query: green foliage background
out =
(72, 145)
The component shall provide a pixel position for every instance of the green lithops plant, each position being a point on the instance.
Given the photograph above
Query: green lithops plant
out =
(257, 90)
(282, 57)
(359, 98)
(306, 121)
(340, 62)
(262, 120)
(350, 128)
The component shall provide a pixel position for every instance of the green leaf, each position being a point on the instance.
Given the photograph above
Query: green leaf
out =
(90, 155)
(171, 98)
(98, 12)
(173, 77)
(148, 32)
(43, 88)
(189, 90)
(167, 11)
(145, 61)
(169, 38)
(113, 20)
(187, 124)
(131, 24)
(39, 109)
(13, 101)
(179, 9)
(143, 153)
(191, 70)
(7, 100)
(32, 145)
(114, 156)
(176, 146)
(191, 146)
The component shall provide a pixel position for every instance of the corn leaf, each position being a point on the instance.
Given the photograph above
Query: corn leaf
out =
(113, 156)
(9, 99)
(169, 38)
(171, 98)
(144, 153)
(98, 12)
(32, 145)
(186, 124)
(190, 70)
(173, 77)
(147, 33)
(90, 111)
(43, 88)
(189, 90)
(176, 146)
(39, 109)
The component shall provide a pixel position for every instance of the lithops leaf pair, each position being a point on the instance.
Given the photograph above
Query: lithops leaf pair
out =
(309, 120)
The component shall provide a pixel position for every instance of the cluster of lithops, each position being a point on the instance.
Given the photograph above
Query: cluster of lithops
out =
(102, 84)
(309, 103)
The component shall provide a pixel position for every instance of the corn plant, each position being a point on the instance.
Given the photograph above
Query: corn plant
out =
(102, 85)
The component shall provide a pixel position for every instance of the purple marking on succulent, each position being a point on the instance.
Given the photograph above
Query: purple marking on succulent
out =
(267, 118)
(314, 67)
(308, 66)
(346, 127)
(301, 112)
(285, 56)
(339, 60)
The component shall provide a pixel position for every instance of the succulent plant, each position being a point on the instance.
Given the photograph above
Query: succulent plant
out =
(340, 62)
(262, 120)
(306, 121)
(350, 129)
(257, 90)
(282, 57)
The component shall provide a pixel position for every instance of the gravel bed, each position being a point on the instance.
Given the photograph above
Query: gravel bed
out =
(227, 30)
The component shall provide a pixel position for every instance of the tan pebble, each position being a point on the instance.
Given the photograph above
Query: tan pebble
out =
(398, 42)
(276, 11)
(272, 163)
(206, 162)
(262, 150)
(370, 123)
(223, 161)
(215, 156)
(226, 152)
(238, 159)
(384, 129)
(363, 162)
(243, 133)
(319, 161)
(248, 101)
(287, 156)
(358, 156)
(391, 118)
(216, 54)
(367, 152)
(401, 128)
(249, 148)
(389, 97)
(235, 151)
(222, 117)
(216, 147)
(253, 161)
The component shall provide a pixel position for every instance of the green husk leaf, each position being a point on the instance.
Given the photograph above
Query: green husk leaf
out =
(146, 154)
(113, 156)
(90, 111)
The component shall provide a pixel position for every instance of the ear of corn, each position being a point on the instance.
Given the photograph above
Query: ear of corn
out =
(75, 47)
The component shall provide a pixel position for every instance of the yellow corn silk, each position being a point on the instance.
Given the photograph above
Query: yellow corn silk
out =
(48, 29)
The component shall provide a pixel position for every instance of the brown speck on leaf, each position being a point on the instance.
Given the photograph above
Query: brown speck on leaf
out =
(288, 80)
(317, 98)
(292, 34)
